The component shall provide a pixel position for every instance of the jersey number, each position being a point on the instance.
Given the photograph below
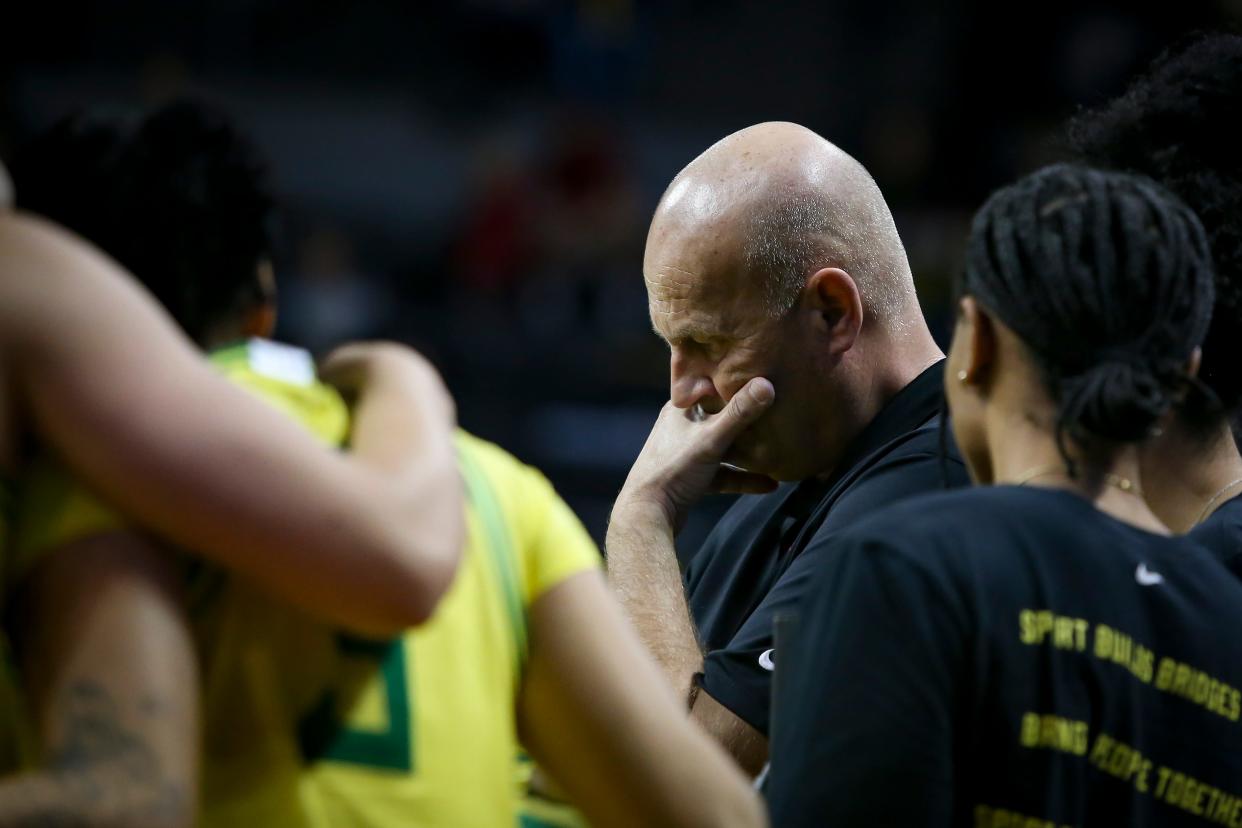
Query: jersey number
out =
(323, 735)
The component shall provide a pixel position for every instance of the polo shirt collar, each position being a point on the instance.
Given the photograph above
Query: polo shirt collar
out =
(909, 408)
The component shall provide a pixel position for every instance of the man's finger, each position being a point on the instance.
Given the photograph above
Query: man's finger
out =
(736, 481)
(746, 406)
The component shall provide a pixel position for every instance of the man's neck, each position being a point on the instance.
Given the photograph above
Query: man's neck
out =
(911, 350)
(879, 376)
(893, 362)
(1188, 476)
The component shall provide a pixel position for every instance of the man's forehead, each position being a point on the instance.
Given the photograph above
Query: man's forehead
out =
(671, 283)
(684, 261)
(685, 322)
(692, 266)
(686, 305)
(672, 294)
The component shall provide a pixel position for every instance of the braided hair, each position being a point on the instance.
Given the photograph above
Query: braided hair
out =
(1107, 279)
(1181, 124)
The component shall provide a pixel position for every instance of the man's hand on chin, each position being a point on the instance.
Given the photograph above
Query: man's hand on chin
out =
(683, 458)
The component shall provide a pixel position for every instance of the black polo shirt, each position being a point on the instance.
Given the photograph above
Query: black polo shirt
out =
(756, 561)
(1011, 656)
(1221, 532)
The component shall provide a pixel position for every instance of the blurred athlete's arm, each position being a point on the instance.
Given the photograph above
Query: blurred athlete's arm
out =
(111, 679)
(596, 713)
(369, 540)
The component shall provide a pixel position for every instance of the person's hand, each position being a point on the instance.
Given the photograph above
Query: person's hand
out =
(683, 457)
(357, 368)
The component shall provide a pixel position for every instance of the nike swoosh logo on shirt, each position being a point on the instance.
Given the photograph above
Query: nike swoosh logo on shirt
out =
(765, 660)
(1146, 577)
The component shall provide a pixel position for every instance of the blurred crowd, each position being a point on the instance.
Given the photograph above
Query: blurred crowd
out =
(476, 177)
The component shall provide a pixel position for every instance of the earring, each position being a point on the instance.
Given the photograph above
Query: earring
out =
(961, 375)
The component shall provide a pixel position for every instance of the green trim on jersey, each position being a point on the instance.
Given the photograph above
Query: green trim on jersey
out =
(503, 557)
(323, 736)
(231, 354)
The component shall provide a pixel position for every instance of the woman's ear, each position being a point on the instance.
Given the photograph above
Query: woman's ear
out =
(979, 341)
(1195, 362)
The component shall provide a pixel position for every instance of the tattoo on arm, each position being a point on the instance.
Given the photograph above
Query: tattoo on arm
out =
(101, 771)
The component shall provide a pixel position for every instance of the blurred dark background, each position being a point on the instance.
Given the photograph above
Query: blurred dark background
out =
(476, 177)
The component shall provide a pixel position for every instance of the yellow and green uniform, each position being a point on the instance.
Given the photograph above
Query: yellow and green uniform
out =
(306, 726)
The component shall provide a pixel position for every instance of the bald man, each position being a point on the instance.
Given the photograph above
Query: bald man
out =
(801, 369)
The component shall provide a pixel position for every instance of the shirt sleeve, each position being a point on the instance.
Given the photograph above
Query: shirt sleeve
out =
(892, 480)
(739, 675)
(559, 546)
(865, 696)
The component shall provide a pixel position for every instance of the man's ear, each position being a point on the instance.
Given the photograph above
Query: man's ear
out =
(833, 295)
(978, 334)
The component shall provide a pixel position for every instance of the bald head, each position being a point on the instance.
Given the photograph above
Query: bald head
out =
(787, 203)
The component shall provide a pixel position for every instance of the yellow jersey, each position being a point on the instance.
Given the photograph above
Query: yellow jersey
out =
(304, 725)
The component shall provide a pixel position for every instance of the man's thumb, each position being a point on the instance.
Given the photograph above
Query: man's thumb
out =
(749, 403)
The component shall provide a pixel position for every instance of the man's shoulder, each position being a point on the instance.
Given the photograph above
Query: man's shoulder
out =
(915, 465)
(738, 540)
(928, 445)
(927, 437)
(919, 460)
(747, 512)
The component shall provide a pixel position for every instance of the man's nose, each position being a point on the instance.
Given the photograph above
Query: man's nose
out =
(690, 382)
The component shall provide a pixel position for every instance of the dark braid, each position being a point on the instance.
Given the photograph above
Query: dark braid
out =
(1107, 279)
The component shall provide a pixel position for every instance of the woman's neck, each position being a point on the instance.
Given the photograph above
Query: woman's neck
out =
(1024, 453)
(1187, 477)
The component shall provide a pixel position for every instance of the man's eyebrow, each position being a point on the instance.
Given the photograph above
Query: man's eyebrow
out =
(686, 331)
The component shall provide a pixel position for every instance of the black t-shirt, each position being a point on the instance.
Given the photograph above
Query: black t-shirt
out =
(1221, 532)
(755, 563)
(1011, 656)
